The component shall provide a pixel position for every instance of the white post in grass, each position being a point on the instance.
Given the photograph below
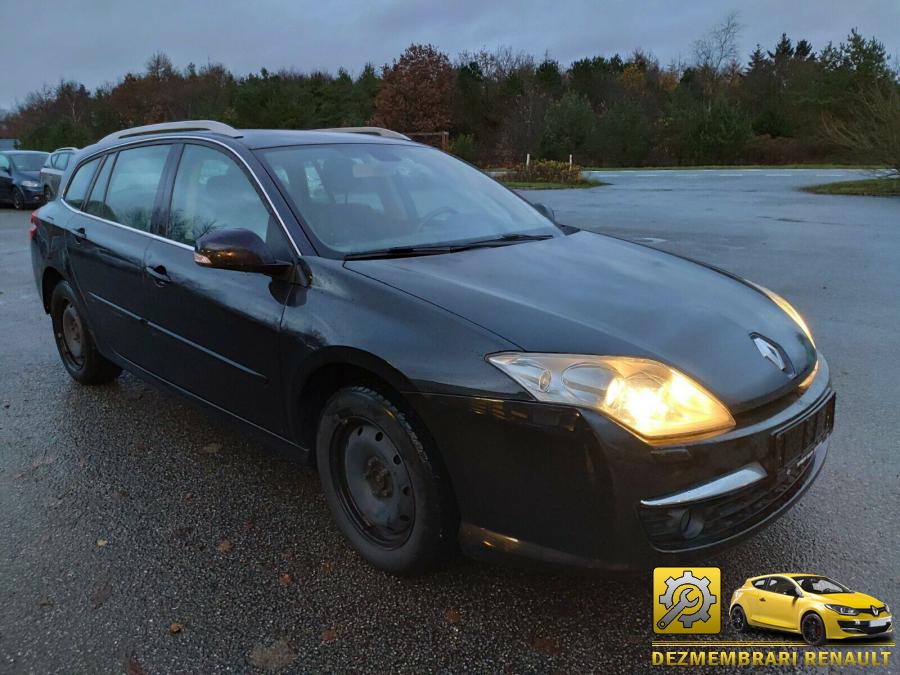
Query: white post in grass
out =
(570, 160)
(527, 159)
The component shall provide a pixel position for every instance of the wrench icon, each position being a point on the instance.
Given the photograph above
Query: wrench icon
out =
(681, 605)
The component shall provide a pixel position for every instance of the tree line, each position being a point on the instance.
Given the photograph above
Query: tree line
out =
(784, 104)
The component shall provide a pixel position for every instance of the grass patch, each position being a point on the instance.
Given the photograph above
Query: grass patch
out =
(874, 187)
(535, 185)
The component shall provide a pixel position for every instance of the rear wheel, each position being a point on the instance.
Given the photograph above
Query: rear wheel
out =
(74, 340)
(739, 620)
(385, 490)
(813, 630)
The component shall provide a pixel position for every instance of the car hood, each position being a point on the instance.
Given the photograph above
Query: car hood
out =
(854, 600)
(591, 294)
(30, 175)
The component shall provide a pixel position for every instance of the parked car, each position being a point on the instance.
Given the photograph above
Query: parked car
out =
(814, 606)
(20, 180)
(53, 170)
(457, 365)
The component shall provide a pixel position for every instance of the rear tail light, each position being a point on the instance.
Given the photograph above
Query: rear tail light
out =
(32, 231)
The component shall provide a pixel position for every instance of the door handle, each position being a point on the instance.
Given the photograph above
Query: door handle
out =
(762, 599)
(80, 234)
(159, 274)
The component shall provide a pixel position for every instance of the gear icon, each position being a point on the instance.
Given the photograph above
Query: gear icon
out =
(688, 579)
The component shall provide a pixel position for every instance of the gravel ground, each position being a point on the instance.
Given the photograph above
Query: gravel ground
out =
(140, 536)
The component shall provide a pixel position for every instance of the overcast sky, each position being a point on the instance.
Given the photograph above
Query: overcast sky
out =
(97, 41)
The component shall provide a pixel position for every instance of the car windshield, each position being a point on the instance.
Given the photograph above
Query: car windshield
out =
(820, 585)
(358, 198)
(31, 161)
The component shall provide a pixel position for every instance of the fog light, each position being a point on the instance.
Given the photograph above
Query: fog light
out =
(691, 524)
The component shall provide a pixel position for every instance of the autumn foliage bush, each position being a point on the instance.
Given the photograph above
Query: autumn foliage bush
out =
(547, 171)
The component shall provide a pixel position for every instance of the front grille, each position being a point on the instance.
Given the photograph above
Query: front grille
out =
(670, 529)
(863, 627)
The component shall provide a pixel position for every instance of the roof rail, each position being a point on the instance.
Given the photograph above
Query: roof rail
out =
(371, 131)
(164, 127)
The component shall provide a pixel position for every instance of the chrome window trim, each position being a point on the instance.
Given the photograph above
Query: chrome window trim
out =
(126, 227)
(175, 137)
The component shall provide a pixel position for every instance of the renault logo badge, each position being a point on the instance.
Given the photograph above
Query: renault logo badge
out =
(770, 352)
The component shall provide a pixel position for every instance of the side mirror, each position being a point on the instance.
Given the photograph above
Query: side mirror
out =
(545, 211)
(799, 593)
(240, 250)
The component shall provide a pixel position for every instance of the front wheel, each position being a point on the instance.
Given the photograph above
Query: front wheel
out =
(813, 630)
(18, 199)
(383, 485)
(48, 194)
(74, 340)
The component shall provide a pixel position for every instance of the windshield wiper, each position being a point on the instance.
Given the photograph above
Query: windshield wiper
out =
(437, 249)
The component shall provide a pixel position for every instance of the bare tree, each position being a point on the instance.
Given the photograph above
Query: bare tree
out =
(872, 128)
(717, 51)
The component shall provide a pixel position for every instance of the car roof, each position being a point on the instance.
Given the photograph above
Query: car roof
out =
(23, 152)
(785, 574)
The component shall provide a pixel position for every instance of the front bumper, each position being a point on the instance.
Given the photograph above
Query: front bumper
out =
(839, 627)
(33, 195)
(559, 485)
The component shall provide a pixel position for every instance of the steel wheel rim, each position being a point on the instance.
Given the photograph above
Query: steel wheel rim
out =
(374, 485)
(72, 337)
(812, 630)
(737, 619)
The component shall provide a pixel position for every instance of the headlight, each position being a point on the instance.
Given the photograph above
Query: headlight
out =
(649, 398)
(886, 608)
(842, 609)
(788, 309)
(30, 184)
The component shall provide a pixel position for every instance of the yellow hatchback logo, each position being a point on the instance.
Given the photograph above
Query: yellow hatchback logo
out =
(687, 600)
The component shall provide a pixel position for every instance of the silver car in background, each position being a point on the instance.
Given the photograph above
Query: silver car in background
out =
(53, 170)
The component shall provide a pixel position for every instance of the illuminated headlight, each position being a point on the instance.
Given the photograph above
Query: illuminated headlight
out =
(842, 609)
(788, 309)
(651, 399)
(30, 184)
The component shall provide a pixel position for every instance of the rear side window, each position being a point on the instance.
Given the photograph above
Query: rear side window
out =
(761, 583)
(95, 203)
(133, 185)
(81, 181)
(212, 193)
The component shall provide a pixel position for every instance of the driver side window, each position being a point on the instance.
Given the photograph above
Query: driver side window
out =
(782, 586)
(211, 192)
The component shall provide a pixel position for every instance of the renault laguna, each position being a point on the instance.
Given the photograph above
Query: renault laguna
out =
(464, 371)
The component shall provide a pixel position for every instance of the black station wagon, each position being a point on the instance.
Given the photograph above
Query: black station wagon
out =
(462, 370)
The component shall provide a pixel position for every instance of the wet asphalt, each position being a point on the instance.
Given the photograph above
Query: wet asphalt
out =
(139, 535)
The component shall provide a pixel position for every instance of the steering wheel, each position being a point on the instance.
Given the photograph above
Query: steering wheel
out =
(431, 215)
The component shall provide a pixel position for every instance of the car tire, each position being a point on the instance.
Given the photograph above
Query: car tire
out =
(48, 194)
(18, 200)
(75, 342)
(383, 483)
(812, 628)
(739, 620)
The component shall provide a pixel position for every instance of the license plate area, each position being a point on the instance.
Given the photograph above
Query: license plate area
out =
(793, 442)
(877, 623)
